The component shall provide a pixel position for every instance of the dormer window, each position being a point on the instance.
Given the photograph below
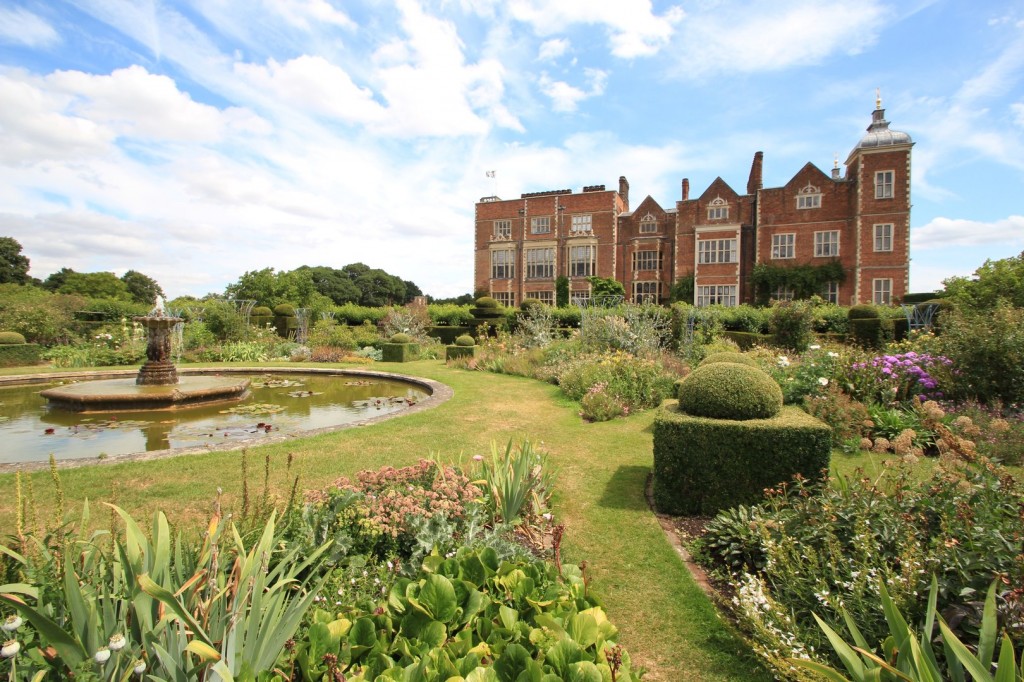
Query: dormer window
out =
(648, 224)
(808, 197)
(502, 229)
(718, 209)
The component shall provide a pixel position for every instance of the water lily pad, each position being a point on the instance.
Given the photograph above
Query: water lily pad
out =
(303, 394)
(255, 408)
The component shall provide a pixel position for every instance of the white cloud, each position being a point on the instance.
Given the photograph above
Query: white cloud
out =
(306, 14)
(634, 30)
(565, 97)
(21, 27)
(1017, 109)
(552, 49)
(731, 36)
(945, 232)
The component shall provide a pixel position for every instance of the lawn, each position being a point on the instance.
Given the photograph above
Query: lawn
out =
(668, 625)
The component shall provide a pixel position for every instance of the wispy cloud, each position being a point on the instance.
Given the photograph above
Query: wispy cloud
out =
(18, 26)
(947, 232)
(566, 97)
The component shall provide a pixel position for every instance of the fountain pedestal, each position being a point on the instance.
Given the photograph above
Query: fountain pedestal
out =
(158, 369)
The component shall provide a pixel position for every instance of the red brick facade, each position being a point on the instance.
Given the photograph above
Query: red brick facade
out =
(862, 221)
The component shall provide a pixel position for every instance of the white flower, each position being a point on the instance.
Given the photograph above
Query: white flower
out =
(823, 381)
(546, 517)
(117, 642)
(813, 347)
(783, 361)
(10, 648)
(139, 668)
(833, 354)
(12, 623)
(102, 655)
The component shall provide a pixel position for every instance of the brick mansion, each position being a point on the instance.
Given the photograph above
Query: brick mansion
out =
(860, 220)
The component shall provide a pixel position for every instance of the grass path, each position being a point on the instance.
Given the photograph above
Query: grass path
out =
(667, 623)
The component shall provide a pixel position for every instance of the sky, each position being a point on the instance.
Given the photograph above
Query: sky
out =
(195, 140)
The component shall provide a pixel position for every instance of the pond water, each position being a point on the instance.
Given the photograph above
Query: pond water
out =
(30, 430)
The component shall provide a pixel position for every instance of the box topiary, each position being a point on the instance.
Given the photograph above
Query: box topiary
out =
(729, 390)
(285, 321)
(11, 338)
(704, 465)
(19, 354)
(487, 302)
(862, 311)
(261, 316)
(401, 337)
(399, 352)
(465, 340)
(729, 356)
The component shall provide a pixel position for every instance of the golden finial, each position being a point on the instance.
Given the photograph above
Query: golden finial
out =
(878, 98)
(835, 159)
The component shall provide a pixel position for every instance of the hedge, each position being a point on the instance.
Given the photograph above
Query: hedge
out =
(447, 335)
(702, 465)
(452, 352)
(19, 355)
(399, 352)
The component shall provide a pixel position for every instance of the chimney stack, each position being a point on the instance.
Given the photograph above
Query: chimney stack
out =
(624, 190)
(686, 189)
(754, 183)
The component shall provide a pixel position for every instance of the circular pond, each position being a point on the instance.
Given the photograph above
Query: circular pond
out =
(280, 404)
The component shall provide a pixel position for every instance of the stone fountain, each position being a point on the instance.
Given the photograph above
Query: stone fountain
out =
(156, 386)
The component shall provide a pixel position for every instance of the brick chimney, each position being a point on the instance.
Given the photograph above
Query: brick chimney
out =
(754, 183)
(624, 191)
(686, 189)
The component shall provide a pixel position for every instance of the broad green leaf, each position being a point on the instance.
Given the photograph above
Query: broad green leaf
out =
(583, 629)
(437, 597)
(362, 636)
(974, 667)
(823, 670)
(561, 655)
(512, 661)
(205, 652)
(169, 600)
(1007, 669)
(584, 671)
(434, 634)
(68, 648)
(509, 616)
(338, 629)
(987, 636)
(20, 588)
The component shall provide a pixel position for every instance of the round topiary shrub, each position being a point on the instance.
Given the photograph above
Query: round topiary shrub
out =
(862, 311)
(729, 390)
(11, 338)
(529, 303)
(263, 311)
(401, 337)
(729, 356)
(465, 340)
(487, 302)
(284, 310)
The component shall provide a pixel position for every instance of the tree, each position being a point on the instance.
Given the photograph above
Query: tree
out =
(995, 281)
(270, 289)
(141, 288)
(411, 291)
(333, 283)
(605, 287)
(378, 288)
(56, 280)
(94, 285)
(13, 265)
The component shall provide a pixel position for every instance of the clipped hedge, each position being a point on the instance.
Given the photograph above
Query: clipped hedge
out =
(703, 465)
(729, 356)
(19, 354)
(447, 335)
(457, 351)
(729, 390)
(399, 352)
(11, 339)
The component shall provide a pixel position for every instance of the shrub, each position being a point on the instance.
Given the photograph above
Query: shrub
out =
(487, 302)
(19, 355)
(465, 340)
(401, 337)
(987, 352)
(896, 378)
(791, 324)
(728, 390)
(261, 316)
(399, 352)
(862, 311)
(328, 333)
(449, 314)
(729, 356)
(702, 465)
(639, 330)
(637, 383)
(8, 338)
(456, 352)
(847, 417)
(599, 406)
(411, 320)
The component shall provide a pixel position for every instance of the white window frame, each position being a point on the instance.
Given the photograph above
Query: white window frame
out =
(830, 292)
(881, 290)
(579, 266)
(783, 293)
(503, 229)
(884, 181)
(718, 209)
(648, 224)
(883, 237)
(716, 251)
(581, 224)
(503, 266)
(540, 225)
(545, 297)
(826, 244)
(646, 292)
(580, 298)
(647, 260)
(783, 244)
(540, 262)
(808, 197)
(505, 298)
(716, 294)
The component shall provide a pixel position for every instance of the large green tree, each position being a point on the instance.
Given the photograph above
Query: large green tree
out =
(995, 281)
(270, 288)
(13, 265)
(141, 288)
(333, 283)
(91, 284)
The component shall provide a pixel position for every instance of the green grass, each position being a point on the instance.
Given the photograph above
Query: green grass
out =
(668, 625)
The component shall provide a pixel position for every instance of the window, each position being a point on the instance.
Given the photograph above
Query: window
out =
(830, 292)
(506, 298)
(783, 246)
(783, 293)
(545, 297)
(541, 225)
(648, 224)
(882, 289)
(581, 261)
(716, 251)
(503, 229)
(503, 264)
(716, 295)
(826, 244)
(580, 298)
(580, 223)
(540, 263)
(883, 185)
(808, 197)
(646, 292)
(718, 209)
(883, 237)
(647, 260)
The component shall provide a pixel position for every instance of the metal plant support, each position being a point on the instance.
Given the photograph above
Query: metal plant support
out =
(920, 317)
(302, 330)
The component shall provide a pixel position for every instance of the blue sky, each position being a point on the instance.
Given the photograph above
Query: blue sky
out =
(194, 140)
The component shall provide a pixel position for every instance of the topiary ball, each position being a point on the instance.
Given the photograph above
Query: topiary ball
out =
(729, 356)
(729, 390)
(401, 337)
(284, 310)
(487, 302)
(529, 303)
(263, 311)
(465, 340)
(862, 311)
(11, 338)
